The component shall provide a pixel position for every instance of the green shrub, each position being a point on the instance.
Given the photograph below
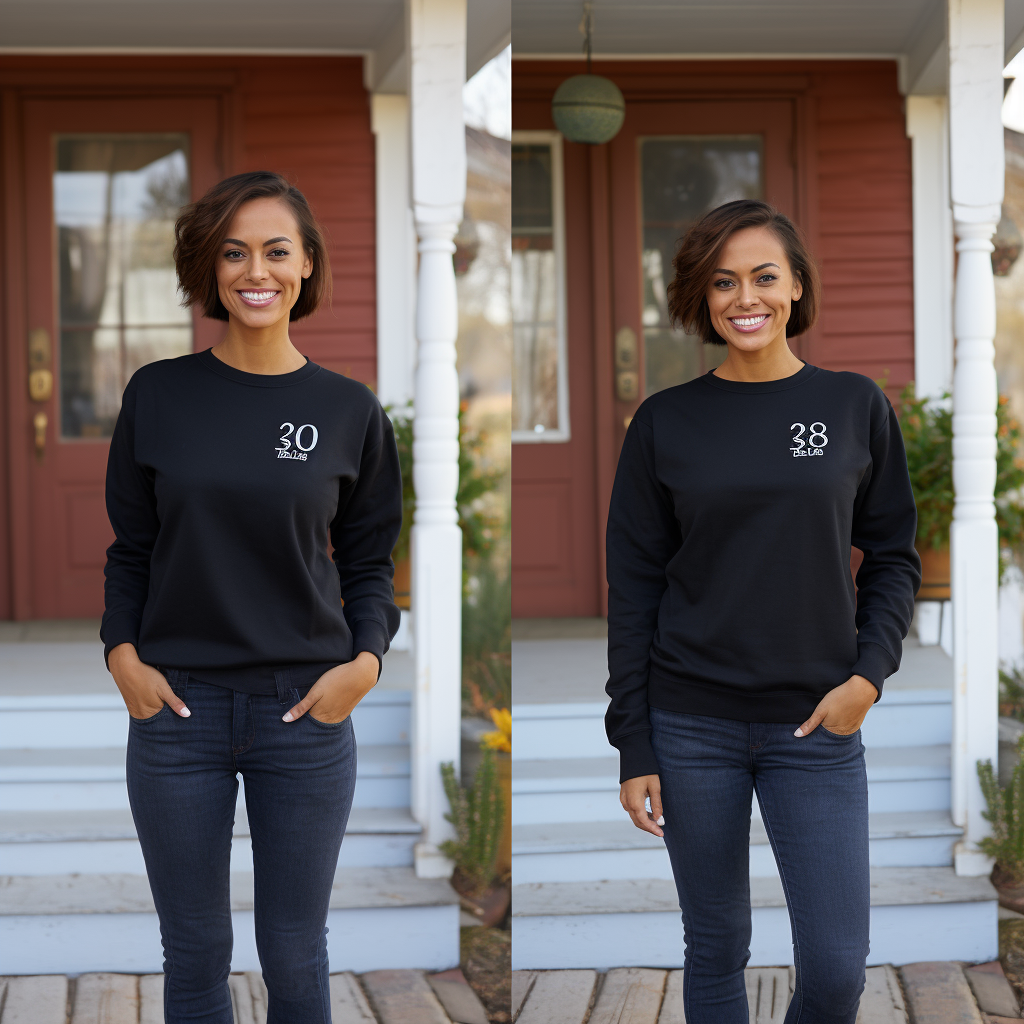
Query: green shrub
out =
(486, 637)
(1006, 813)
(927, 429)
(477, 814)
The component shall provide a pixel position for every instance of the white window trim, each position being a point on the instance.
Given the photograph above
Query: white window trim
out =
(562, 433)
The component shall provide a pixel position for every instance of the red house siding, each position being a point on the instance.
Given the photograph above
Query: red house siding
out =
(851, 159)
(308, 118)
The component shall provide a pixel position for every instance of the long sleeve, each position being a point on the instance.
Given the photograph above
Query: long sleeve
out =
(642, 538)
(364, 533)
(884, 527)
(131, 508)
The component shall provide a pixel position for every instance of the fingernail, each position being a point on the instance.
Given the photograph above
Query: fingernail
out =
(799, 732)
(185, 712)
(288, 717)
(661, 820)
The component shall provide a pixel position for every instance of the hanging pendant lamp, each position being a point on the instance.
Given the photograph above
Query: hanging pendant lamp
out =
(588, 108)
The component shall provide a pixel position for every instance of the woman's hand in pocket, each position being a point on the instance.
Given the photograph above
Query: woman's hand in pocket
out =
(633, 794)
(842, 710)
(336, 693)
(144, 689)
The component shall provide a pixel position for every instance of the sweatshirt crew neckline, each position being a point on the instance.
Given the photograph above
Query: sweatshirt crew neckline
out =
(258, 380)
(761, 387)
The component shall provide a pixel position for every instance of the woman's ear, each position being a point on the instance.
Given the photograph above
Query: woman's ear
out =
(307, 266)
(798, 288)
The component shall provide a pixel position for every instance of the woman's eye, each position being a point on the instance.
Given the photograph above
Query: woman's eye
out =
(724, 283)
(278, 252)
(767, 279)
(234, 254)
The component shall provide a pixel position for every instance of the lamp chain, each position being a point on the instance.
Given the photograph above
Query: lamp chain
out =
(586, 27)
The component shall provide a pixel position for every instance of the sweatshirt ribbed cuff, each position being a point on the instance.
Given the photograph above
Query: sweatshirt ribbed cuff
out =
(370, 635)
(874, 663)
(636, 756)
(121, 628)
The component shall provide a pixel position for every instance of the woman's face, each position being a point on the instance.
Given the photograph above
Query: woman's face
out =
(262, 263)
(752, 290)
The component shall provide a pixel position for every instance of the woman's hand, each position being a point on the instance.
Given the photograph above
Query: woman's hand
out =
(339, 690)
(843, 709)
(633, 794)
(144, 689)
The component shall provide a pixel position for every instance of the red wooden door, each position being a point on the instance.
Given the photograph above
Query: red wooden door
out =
(103, 180)
(614, 238)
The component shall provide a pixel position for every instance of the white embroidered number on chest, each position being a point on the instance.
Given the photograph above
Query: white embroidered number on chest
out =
(306, 433)
(815, 440)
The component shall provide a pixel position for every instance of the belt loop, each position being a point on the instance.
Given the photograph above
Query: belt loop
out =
(283, 677)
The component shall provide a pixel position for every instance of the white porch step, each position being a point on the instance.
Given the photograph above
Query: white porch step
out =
(379, 918)
(605, 850)
(94, 777)
(105, 842)
(587, 788)
(98, 718)
(572, 730)
(917, 914)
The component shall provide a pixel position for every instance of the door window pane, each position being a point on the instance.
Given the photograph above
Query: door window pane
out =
(115, 201)
(538, 377)
(682, 178)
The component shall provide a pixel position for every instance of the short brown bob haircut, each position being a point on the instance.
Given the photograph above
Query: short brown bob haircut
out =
(698, 257)
(200, 229)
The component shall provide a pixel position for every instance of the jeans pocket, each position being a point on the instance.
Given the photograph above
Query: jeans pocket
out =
(142, 721)
(326, 725)
(838, 735)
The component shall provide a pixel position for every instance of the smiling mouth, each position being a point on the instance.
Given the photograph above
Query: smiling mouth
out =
(258, 298)
(748, 324)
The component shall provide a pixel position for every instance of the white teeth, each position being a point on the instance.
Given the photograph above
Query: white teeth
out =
(257, 296)
(748, 321)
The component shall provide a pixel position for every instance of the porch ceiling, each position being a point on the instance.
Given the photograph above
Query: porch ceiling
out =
(372, 27)
(884, 28)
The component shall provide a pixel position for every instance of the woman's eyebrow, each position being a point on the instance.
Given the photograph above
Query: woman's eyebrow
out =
(763, 265)
(238, 241)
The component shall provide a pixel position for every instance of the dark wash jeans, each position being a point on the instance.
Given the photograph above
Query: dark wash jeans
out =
(813, 796)
(299, 778)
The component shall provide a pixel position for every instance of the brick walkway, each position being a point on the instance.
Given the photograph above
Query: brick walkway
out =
(933, 993)
(380, 997)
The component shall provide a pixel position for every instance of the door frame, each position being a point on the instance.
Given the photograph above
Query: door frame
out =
(643, 83)
(22, 80)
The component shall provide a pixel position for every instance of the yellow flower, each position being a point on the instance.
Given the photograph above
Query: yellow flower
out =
(502, 738)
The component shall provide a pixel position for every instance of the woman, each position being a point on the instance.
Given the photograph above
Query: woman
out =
(741, 658)
(231, 471)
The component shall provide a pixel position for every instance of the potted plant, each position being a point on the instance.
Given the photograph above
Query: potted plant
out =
(500, 741)
(478, 816)
(1006, 844)
(927, 429)
(478, 524)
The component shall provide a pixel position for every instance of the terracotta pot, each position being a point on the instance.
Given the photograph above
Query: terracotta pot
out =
(403, 583)
(503, 862)
(490, 907)
(1011, 892)
(934, 574)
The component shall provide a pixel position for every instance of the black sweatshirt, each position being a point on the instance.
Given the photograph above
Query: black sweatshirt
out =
(223, 489)
(732, 516)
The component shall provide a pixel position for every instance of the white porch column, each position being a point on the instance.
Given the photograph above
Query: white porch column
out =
(976, 180)
(928, 129)
(396, 251)
(437, 70)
